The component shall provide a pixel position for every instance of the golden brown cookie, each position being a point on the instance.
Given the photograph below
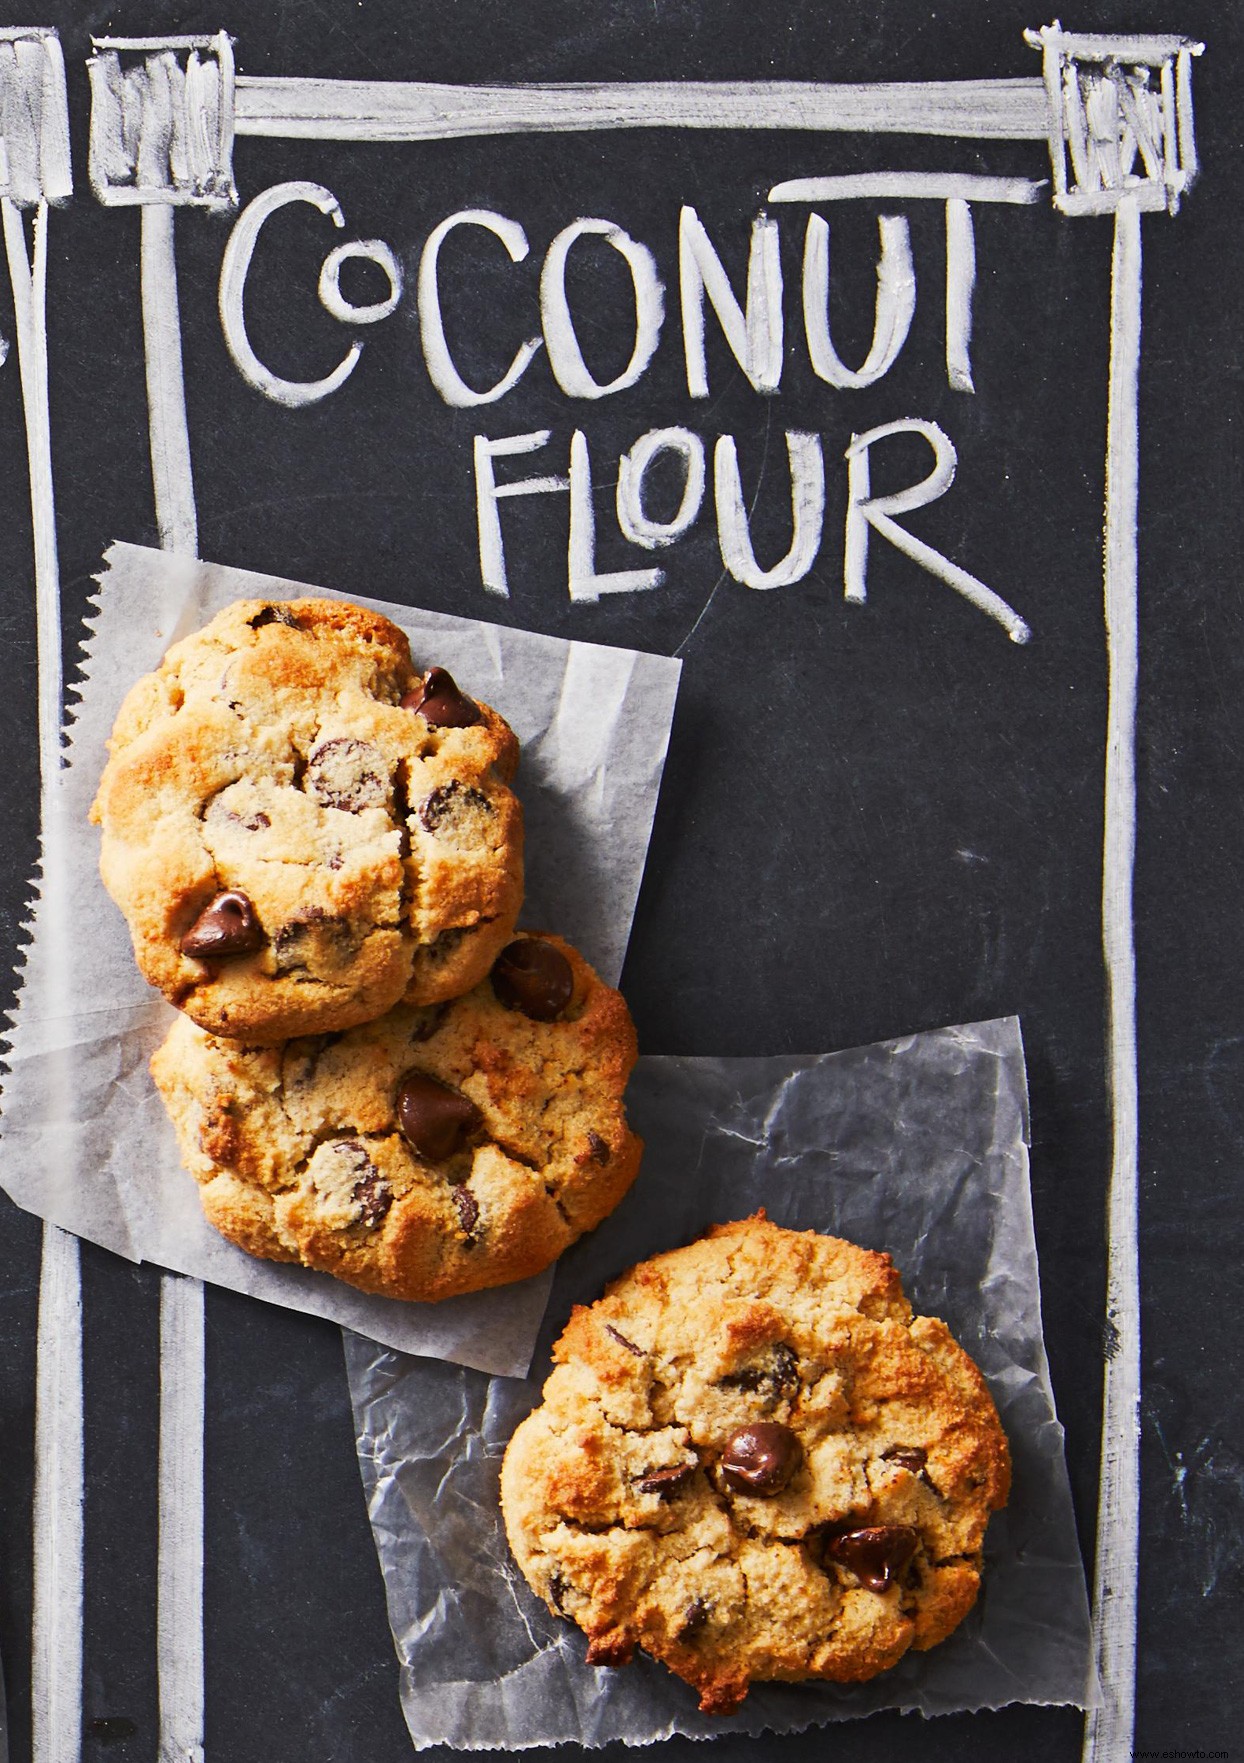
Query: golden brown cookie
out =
(754, 1462)
(301, 829)
(437, 1150)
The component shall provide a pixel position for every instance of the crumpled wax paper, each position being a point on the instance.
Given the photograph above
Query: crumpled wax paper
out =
(915, 1146)
(86, 1142)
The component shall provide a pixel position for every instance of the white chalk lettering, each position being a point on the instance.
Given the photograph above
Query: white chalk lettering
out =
(561, 340)
(754, 333)
(234, 268)
(865, 511)
(896, 302)
(488, 492)
(334, 301)
(807, 502)
(585, 584)
(441, 370)
(633, 522)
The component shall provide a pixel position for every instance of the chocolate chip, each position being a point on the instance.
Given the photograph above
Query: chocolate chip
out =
(909, 1457)
(315, 940)
(425, 1022)
(468, 1212)
(435, 1119)
(342, 1170)
(558, 1587)
(622, 1341)
(256, 821)
(694, 1618)
(445, 944)
(598, 1148)
(761, 1458)
(274, 615)
(373, 1197)
(777, 1373)
(346, 774)
(533, 977)
(440, 703)
(454, 809)
(913, 1458)
(227, 926)
(665, 1481)
(876, 1555)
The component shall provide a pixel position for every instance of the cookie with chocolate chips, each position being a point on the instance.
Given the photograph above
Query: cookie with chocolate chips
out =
(437, 1150)
(755, 1463)
(302, 829)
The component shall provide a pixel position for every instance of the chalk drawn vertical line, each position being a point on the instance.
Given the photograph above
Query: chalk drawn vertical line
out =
(28, 275)
(1110, 1728)
(56, 1629)
(57, 1517)
(179, 1589)
(161, 137)
(179, 1560)
(171, 472)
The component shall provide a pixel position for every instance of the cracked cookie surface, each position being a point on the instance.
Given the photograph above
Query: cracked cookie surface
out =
(437, 1150)
(755, 1463)
(301, 829)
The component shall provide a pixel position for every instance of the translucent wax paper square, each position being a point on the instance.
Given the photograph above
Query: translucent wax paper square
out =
(915, 1146)
(86, 1143)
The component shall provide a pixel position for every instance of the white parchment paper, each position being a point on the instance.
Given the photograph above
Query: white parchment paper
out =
(916, 1146)
(86, 1143)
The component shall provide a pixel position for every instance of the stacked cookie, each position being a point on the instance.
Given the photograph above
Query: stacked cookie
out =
(319, 857)
(752, 1460)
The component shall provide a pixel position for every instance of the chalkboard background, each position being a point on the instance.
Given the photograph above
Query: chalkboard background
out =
(874, 819)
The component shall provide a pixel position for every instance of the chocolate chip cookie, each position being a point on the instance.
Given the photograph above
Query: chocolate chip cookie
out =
(438, 1150)
(754, 1462)
(302, 829)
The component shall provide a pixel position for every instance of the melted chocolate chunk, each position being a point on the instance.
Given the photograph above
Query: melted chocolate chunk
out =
(665, 1481)
(440, 703)
(622, 1341)
(468, 1213)
(435, 1120)
(599, 1150)
(761, 1458)
(274, 615)
(227, 926)
(373, 1197)
(533, 977)
(346, 774)
(558, 1587)
(876, 1555)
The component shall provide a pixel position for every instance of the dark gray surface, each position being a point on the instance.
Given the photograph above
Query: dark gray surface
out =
(874, 820)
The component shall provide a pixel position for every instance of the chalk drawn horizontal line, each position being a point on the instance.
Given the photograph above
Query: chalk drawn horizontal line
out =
(391, 110)
(138, 45)
(936, 186)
